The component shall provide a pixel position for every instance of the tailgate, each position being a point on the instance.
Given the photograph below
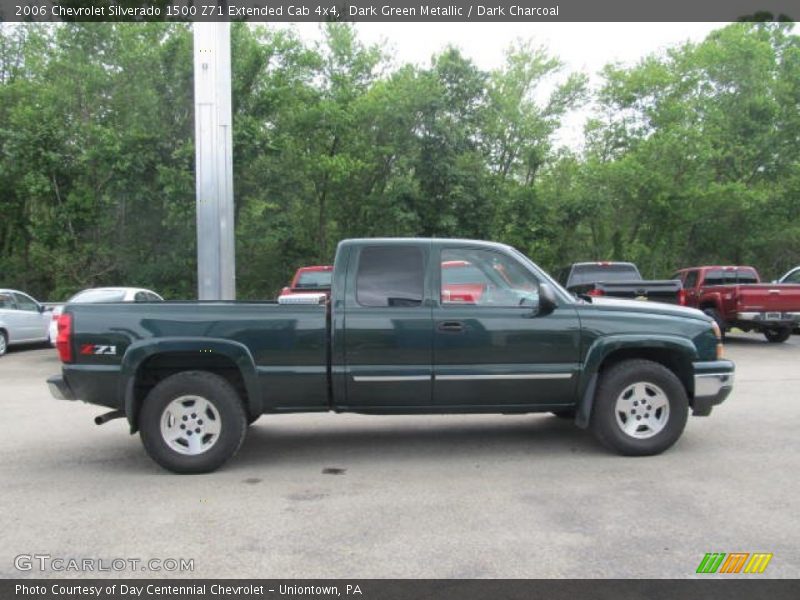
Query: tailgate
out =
(768, 298)
(657, 291)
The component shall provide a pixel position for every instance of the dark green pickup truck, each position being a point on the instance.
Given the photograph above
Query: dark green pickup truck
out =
(412, 326)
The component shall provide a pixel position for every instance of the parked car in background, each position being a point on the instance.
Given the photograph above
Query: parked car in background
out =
(104, 294)
(308, 280)
(735, 297)
(23, 320)
(618, 280)
(792, 276)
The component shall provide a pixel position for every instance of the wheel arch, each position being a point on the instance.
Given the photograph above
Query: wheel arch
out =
(673, 352)
(147, 363)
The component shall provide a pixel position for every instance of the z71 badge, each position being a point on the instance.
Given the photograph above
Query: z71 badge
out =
(96, 349)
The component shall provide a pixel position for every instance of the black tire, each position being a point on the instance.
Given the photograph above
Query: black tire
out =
(3, 342)
(607, 426)
(217, 392)
(568, 413)
(711, 312)
(778, 335)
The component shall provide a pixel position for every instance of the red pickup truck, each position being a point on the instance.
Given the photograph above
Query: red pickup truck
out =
(316, 279)
(735, 297)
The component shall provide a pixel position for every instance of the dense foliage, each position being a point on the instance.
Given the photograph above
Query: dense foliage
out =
(690, 157)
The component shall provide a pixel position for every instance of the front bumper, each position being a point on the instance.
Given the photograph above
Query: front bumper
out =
(59, 388)
(713, 383)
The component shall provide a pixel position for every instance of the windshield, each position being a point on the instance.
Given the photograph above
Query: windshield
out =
(314, 279)
(90, 296)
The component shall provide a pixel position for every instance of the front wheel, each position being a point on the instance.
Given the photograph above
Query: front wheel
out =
(192, 422)
(3, 342)
(778, 335)
(640, 408)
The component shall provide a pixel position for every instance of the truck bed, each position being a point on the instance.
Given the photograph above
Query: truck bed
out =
(282, 340)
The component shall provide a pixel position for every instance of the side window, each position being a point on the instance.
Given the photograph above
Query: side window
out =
(26, 303)
(390, 276)
(7, 302)
(691, 280)
(485, 278)
(141, 297)
(152, 297)
(793, 277)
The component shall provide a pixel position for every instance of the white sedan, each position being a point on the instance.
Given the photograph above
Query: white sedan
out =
(105, 294)
(22, 320)
(792, 276)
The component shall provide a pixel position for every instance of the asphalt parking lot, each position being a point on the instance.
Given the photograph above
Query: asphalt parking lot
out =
(437, 497)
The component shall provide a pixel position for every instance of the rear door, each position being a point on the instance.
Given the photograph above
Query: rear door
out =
(387, 327)
(496, 349)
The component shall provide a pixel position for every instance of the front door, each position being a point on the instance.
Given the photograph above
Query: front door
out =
(32, 323)
(493, 346)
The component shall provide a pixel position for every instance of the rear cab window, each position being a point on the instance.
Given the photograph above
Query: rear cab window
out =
(314, 280)
(390, 276)
(601, 272)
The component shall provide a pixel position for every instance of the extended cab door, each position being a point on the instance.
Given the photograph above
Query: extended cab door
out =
(494, 346)
(386, 326)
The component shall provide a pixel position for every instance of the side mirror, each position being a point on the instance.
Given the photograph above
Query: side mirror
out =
(546, 302)
(547, 299)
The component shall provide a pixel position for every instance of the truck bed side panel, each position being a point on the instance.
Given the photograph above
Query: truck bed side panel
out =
(282, 340)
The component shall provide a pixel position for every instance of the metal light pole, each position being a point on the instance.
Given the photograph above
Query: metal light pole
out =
(216, 260)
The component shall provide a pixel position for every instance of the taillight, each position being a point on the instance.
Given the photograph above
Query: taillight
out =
(682, 297)
(595, 292)
(64, 339)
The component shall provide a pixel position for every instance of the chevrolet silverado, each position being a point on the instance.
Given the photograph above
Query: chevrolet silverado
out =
(392, 339)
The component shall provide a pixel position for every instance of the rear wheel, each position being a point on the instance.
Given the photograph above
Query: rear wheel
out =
(640, 408)
(778, 335)
(192, 422)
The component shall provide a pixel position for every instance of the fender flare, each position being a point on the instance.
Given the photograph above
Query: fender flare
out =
(603, 347)
(138, 352)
